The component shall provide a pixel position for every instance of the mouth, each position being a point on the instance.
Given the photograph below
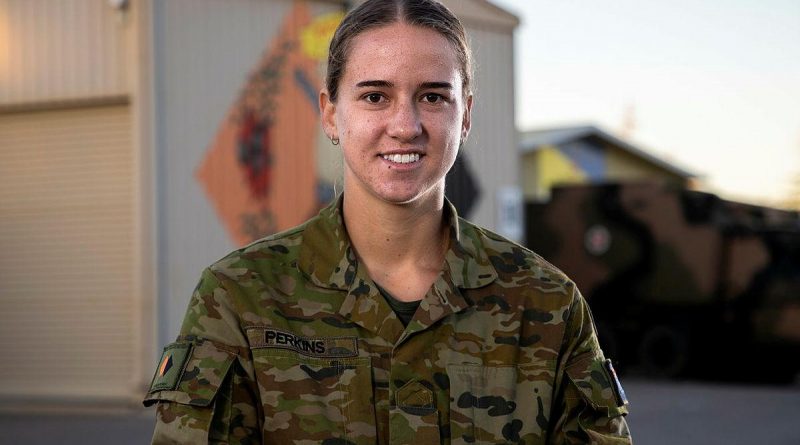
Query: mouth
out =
(405, 158)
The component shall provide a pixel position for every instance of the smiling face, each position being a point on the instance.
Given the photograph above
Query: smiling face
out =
(400, 114)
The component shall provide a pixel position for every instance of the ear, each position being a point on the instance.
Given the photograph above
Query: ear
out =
(327, 111)
(466, 122)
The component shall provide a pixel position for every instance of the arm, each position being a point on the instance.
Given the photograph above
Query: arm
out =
(589, 405)
(204, 384)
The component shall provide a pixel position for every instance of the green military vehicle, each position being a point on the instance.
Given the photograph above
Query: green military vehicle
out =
(680, 282)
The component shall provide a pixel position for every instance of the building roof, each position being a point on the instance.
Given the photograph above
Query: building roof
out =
(531, 141)
(482, 13)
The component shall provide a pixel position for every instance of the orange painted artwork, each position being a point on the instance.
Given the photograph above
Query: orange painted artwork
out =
(260, 172)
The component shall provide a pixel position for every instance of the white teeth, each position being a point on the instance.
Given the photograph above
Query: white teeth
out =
(402, 159)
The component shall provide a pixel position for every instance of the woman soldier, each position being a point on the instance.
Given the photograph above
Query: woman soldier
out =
(386, 318)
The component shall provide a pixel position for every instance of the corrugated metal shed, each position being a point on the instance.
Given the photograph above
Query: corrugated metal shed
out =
(75, 232)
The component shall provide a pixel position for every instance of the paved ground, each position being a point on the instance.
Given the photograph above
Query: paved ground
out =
(662, 413)
(670, 413)
(119, 428)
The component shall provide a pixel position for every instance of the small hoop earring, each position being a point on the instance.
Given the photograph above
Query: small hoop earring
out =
(335, 141)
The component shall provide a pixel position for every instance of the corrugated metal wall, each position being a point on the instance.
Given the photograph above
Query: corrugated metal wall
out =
(66, 234)
(492, 146)
(60, 50)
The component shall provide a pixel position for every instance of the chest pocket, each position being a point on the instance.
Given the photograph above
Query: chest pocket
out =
(498, 404)
(315, 399)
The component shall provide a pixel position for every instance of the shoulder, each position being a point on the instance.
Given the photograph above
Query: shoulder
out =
(510, 256)
(276, 252)
(526, 286)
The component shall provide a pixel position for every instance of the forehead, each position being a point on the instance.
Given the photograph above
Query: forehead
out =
(398, 52)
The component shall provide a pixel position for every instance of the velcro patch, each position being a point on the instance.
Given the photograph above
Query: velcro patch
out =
(170, 367)
(262, 337)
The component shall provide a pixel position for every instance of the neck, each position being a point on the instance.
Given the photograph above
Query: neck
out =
(389, 238)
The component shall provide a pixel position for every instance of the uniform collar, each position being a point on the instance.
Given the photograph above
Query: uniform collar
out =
(326, 255)
(328, 260)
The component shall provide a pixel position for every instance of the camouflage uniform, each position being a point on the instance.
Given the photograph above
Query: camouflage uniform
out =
(288, 340)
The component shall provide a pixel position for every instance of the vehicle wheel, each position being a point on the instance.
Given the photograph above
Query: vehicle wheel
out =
(664, 351)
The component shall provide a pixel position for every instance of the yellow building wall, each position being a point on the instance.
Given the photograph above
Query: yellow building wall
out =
(546, 168)
(530, 185)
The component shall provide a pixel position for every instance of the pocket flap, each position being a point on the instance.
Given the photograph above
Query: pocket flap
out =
(189, 373)
(599, 386)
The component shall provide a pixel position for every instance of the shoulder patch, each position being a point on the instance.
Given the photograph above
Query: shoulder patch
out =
(170, 367)
(616, 386)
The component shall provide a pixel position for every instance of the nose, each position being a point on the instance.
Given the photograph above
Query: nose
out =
(404, 124)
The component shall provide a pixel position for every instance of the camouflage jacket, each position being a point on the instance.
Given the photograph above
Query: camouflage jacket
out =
(288, 340)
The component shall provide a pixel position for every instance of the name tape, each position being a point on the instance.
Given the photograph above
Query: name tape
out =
(261, 338)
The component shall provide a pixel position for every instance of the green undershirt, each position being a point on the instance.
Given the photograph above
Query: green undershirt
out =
(403, 309)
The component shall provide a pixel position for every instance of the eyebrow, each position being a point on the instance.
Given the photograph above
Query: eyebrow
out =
(374, 84)
(437, 85)
(387, 84)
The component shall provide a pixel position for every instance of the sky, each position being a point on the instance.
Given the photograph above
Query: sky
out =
(712, 86)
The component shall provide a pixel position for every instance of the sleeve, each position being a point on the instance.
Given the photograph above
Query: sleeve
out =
(204, 383)
(590, 404)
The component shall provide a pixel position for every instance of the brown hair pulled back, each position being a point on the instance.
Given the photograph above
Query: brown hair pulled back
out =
(376, 13)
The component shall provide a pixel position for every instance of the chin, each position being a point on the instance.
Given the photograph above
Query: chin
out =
(402, 197)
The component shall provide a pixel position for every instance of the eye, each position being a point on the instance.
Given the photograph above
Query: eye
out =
(374, 98)
(432, 98)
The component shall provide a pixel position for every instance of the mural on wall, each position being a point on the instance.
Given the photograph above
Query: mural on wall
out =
(261, 171)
